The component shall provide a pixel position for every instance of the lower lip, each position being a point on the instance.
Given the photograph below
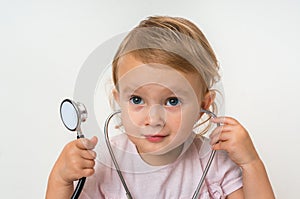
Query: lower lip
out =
(155, 138)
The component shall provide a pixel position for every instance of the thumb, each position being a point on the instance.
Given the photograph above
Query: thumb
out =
(85, 143)
(94, 140)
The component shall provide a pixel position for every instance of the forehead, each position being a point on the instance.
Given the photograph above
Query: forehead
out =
(134, 74)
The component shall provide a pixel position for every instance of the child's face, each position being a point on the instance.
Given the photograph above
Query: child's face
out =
(159, 104)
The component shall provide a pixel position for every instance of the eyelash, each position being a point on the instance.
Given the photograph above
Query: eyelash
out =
(169, 102)
(133, 99)
(178, 102)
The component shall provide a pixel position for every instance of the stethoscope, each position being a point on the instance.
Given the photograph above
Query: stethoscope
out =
(73, 113)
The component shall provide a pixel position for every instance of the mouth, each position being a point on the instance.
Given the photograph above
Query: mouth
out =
(155, 138)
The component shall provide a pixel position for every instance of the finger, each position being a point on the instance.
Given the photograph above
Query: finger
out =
(222, 145)
(80, 164)
(215, 136)
(221, 129)
(224, 120)
(85, 143)
(88, 164)
(83, 173)
(221, 133)
(87, 169)
(88, 154)
(218, 146)
(225, 136)
(88, 172)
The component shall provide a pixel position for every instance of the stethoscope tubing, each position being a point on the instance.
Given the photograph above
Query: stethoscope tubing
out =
(208, 164)
(210, 159)
(78, 188)
(81, 181)
(128, 194)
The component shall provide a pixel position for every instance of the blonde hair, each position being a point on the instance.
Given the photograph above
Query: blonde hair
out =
(175, 42)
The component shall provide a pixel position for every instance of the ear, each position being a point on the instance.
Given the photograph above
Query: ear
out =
(116, 95)
(208, 99)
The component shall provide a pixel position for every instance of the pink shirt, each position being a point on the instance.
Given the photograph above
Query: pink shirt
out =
(176, 180)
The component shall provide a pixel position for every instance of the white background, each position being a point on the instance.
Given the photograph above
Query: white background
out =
(43, 45)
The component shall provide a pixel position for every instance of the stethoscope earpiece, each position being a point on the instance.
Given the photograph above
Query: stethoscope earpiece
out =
(208, 112)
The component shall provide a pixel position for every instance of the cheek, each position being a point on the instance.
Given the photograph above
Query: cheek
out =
(174, 120)
(189, 117)
(131, 119)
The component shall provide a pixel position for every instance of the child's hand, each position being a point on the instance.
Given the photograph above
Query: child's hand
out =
(232, 137)
(77, 160)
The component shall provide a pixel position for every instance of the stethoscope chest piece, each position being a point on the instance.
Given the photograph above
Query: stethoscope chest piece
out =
(72, 114)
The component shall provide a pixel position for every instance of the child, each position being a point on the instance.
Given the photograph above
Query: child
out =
(163, 73)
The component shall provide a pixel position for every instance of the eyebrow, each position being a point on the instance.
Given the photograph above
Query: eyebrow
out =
(130, 88)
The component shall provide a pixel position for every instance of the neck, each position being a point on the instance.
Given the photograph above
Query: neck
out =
(162, 159)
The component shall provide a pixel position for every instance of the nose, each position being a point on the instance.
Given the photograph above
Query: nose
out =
(156, 116)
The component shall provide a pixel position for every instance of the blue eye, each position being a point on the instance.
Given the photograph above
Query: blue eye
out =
(173, 101)
(136, 100)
